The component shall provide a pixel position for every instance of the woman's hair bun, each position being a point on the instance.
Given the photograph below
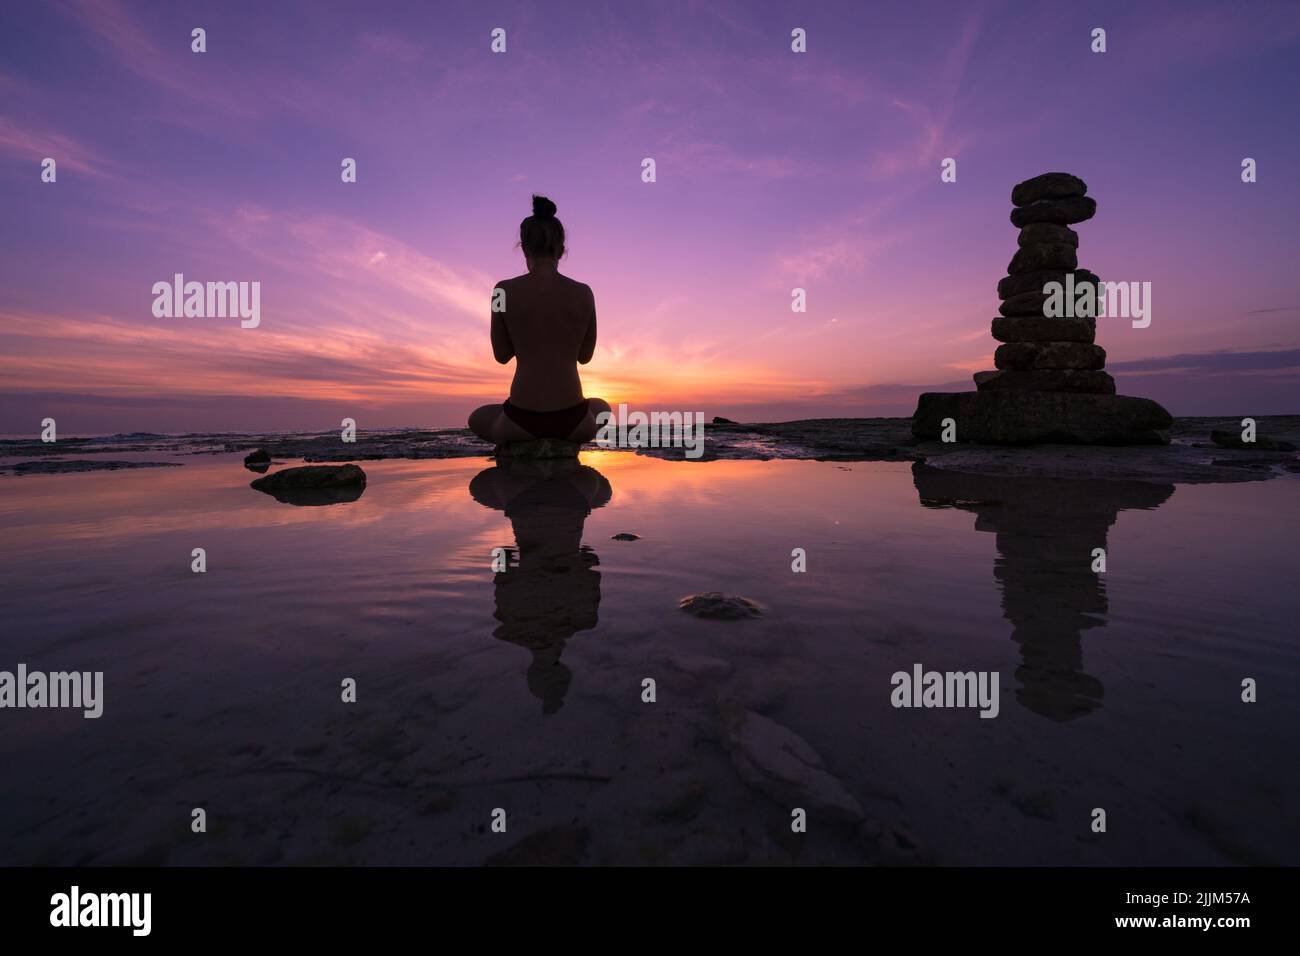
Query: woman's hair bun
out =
(542, 235)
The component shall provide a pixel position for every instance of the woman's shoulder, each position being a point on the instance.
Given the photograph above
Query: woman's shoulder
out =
(576, 286)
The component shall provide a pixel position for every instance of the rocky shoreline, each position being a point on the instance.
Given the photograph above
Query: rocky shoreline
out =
(1191, 455)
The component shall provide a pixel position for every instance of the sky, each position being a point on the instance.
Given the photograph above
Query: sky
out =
(775, 170)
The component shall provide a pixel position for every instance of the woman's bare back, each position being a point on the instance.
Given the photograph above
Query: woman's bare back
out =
(546, 322)
(548, 325)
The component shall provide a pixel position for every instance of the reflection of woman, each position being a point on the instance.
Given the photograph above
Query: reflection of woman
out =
(546, 322)
(551, 590)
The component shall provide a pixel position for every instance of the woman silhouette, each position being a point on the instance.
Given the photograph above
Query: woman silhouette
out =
(547, 323)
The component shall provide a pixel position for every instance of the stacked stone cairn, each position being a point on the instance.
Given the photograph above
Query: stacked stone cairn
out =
(1049, 385)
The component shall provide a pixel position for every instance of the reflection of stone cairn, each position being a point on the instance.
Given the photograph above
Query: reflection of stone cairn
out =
(1046, 529)
(1040, 353)
(1049, 385)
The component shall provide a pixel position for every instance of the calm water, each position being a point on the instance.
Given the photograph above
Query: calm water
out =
(522, 690)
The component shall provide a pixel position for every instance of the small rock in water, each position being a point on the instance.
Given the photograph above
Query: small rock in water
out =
(1227, 438)
(780, 763)
(626, 536)
(720, 607)
(719, 420)
(312, 476)
(258, 461)
(314, 484)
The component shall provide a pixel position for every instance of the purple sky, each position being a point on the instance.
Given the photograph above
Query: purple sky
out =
(775, 170)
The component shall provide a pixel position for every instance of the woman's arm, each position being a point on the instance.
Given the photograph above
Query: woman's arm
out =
(588, 347)
(502, 348)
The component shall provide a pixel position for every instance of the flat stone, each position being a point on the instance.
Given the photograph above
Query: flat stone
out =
(1048, 380)
(1034, 281)
(1063, 212)
(720, 607)
(1024, 304)
(778, 762)
(312, 476)
(314, 484)
(1039, 328)
(1042, 233)
(258, 461)
(1049, 355)
(1040, 258)
(1047, 186)
(1015, 417)
(625, 536)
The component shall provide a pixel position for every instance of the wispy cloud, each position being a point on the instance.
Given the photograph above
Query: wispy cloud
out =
(117, 31)
(846, 243)
(131, 358)
(713, 159)
(36, 144)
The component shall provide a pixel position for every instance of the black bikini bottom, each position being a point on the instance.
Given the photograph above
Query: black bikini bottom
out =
(557, 424)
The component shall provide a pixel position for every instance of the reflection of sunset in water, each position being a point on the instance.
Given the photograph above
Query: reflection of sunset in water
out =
(527, 681)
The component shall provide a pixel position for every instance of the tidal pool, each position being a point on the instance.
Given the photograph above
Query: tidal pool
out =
(524, 690)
